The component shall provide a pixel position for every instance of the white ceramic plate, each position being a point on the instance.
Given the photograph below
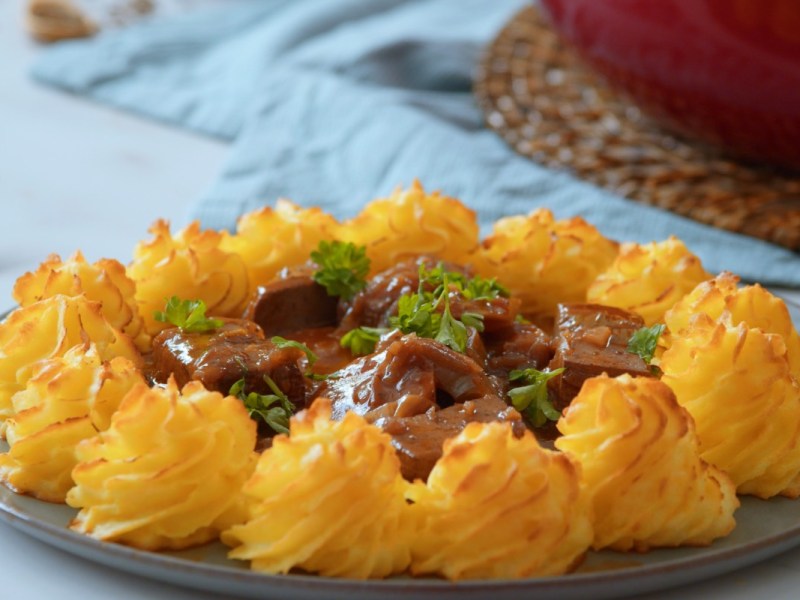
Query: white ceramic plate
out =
(764, 528)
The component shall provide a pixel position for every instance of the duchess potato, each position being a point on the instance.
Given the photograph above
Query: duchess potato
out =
(167, 472)
(648, 279)
(190, 264)
(752, 305)
(411, 223)
(47, 329)
(543, 261)
(736, 383)
(328, 499)
(105, 282)
(66, 400)
(640, 464)
(269, 240)
(496, 506)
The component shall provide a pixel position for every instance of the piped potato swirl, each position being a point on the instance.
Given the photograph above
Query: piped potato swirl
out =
(167, 472)
(640, 464)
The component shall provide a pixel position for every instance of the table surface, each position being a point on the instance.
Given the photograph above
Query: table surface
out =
(74, 174)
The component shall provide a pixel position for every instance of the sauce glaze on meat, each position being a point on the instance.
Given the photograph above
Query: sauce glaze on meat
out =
(416, 389)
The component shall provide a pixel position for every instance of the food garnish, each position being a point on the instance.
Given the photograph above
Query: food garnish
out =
(418, 313)
(282, 342)
(311, 357)
(263, 405)
(645, 340)
(188, 315)
(531, 399)
(471, 288)
(362, 340)
(343, 268)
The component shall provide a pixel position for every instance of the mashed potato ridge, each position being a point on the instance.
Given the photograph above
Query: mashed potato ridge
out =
(410, 223)
(104, 281)
(66, 400)
(327, 499)
(191, 264)
(544, 261)
(640, 464)
(721, 298)
(271, 239)
(736, 383)
(167, 472)
(648, 279)
(495, 506)
(47, 329)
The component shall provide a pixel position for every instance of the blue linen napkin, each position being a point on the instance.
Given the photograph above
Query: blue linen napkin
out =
(333, 103)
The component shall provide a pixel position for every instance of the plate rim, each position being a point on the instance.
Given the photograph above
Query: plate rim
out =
(691, 568)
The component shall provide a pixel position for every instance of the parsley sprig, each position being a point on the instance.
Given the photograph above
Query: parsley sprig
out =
(274, 409)
(342, 268)
(472, 288)
(531, 399)
(427, 312)
(188, 315)
(645, 340)
(419, 313)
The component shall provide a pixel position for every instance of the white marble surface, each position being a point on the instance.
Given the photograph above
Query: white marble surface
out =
(74, 174)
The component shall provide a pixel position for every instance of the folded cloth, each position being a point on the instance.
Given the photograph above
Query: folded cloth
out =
(335, 103)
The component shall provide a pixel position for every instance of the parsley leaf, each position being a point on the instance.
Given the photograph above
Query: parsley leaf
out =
(282, 343)
(452, 332)
(475, 288)
(322, 376)
(474, 320)
(362, 340)
(419, 313)
(531, 399)
(263, 405)
(479, 288)
(644, 341)
(188, 315)
(416, 313)
(343, 268)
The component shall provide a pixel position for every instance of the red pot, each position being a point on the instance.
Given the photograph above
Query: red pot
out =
(726, 71)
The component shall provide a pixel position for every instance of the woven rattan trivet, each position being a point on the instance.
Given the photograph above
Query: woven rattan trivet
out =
(549, 108)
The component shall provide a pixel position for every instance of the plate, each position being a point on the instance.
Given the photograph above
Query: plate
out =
(764, 529)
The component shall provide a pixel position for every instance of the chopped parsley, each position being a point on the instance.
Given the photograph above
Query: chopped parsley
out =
(282, 342)
(342, 268)
(427, 312)
(274, 409)
(531, 399)
(645, 340)
(362, 340)
(188, 315)
(474, 288)
(416, 313)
